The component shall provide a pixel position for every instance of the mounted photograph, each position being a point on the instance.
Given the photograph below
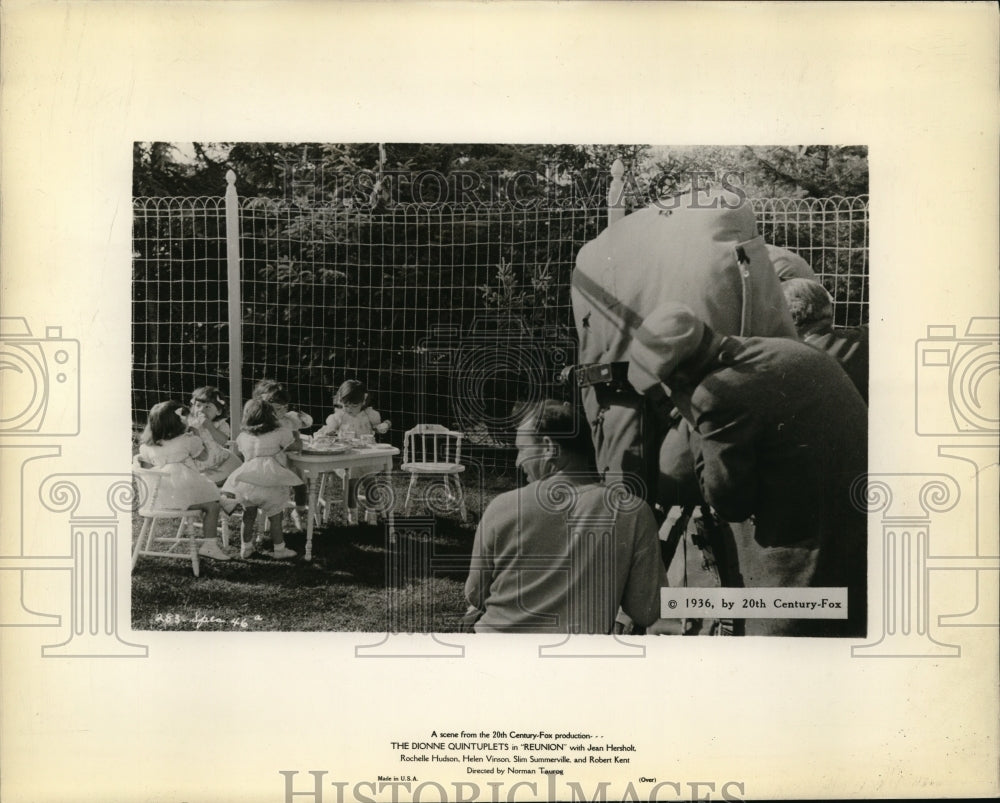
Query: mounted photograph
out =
(500, 388)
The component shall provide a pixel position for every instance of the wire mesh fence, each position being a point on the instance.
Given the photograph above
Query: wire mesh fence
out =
(831, 234)
(180, 338)
(393, 300)
(449, 314)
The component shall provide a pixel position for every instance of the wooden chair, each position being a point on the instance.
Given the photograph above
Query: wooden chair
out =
(167, 546)
(431, 451)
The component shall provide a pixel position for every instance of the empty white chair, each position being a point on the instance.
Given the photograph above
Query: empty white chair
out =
(431, 451)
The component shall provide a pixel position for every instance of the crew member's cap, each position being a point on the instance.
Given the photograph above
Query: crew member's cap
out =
(669, 336)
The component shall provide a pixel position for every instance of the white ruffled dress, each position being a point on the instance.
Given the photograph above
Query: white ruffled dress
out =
(293, 421)
(184, 485)
(262, 481)
(218, 462)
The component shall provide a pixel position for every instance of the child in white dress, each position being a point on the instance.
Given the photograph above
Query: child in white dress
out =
(262, 483)
(167, 445)
(274, 393)
(353, 419)
(208, 423)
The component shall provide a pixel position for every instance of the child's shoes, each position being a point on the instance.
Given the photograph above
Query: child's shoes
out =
(283, 553)
(352, 515)
(210, 549)
(247, 548)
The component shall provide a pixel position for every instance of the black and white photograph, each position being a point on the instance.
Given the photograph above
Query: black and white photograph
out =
(474, 347)
(498, 402)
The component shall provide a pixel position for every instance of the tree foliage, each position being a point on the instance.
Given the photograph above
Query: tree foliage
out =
(359, 278)
(315, 172)
(813, 171)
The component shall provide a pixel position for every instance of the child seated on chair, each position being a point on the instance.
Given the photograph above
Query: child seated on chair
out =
(275, 394)
(207, 421)
(167, 444)
(262, 483)
(353, 418)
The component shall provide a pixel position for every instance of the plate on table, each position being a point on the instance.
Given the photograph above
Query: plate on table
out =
(325, 450)
(379, 447)
(324, 446)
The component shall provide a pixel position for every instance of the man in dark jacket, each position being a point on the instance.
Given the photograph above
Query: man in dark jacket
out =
(779, 434)
(812, 312)
(702, 253)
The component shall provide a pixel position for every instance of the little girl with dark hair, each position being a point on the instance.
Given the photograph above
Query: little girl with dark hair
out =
(275, 394)
(207, 420)
(352, 419)
(166, 444)
(262, 482)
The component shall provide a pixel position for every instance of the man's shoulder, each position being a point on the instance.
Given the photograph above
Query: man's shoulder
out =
(841, 344)
(775, 345)
(551, 495)
(540, 498)
(751, 368)
(636, 512)
(782, 353)
(790, 373)
(503, 507)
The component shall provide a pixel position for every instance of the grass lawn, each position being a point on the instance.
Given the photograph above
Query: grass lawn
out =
(356, 581)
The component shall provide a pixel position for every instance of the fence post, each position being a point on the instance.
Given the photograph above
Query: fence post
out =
(235, 303)
(616, 201)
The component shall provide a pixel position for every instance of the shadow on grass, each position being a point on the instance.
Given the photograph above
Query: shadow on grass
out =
(348, 586)
(344, 588)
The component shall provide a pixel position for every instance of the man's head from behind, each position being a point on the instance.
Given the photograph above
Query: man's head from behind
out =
(551, 437)
(810, 305)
